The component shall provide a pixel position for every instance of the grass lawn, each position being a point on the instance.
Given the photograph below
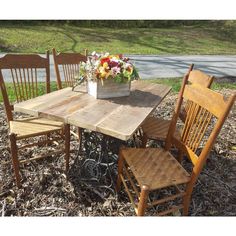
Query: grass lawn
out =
(182, 40)
(175, 83)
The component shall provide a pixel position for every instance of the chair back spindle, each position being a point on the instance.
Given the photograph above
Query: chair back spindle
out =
(67, 66)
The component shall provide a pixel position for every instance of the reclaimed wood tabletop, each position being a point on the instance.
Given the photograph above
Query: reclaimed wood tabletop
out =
(116, 117)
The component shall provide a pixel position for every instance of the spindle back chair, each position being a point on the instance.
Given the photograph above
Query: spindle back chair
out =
(155, 168)
(196, 77)
(25, 72)
(157, 128)
(67, 67)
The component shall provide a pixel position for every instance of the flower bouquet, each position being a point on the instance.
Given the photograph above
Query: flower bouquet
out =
(108, 75)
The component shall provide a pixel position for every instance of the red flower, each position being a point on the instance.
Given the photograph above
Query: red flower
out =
(105, 59)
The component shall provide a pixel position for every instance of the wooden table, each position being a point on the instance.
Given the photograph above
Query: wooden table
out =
(116, 117)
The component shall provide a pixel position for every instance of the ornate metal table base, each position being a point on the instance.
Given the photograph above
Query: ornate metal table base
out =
(97, 159)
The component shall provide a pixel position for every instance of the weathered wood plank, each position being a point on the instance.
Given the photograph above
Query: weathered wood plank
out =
(65, 107)
(33, 106)
(89, 117)
(133, 110)
(118, 117)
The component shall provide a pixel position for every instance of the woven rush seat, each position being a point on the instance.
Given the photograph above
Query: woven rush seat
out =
(155, 168)
(33, 127)
(157, 128)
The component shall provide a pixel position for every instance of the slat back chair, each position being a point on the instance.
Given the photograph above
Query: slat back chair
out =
(199, 77)
(196, 77)
(25, 72)
(67, 67)
(155, 168)
(204, 120)
(157, 128)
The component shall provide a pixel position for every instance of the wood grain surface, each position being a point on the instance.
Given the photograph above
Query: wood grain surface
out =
(117, 117)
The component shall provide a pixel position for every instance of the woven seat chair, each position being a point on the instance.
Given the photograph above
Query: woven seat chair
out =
(25, 72)
(67, 69)
(157, 128)
(145, 171)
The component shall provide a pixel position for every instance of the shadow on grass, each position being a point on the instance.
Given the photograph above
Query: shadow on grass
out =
(4, 47)
(165, 41)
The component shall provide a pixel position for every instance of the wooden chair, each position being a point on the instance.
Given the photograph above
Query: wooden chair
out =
(147, 170)
(157, 128)
(24, 73)
(69, 63)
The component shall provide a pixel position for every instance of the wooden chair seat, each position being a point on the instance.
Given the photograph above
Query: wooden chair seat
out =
(157, 128)
(155, 168)
(31, 127)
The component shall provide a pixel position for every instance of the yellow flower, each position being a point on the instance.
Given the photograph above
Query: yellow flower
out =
(102, 72)
(103, 75)
(105, 64)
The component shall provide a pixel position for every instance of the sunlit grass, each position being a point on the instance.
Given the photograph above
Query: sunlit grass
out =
(41, 90)
(175, 83)
(176, 40)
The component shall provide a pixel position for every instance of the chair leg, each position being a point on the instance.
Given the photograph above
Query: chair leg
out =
(187, 197)
(186, 203)
(79, 137)
(67, 145)
(180, 156)
(14, 156)
(142, 205)
(120, 170)
(144, 140)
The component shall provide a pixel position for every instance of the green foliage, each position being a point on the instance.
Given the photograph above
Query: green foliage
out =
(120, 79)
(126, 37)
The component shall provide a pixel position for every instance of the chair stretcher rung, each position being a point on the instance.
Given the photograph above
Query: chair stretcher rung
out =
(39, 143)
(41, 156)
(167, 199)
(173, 209)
